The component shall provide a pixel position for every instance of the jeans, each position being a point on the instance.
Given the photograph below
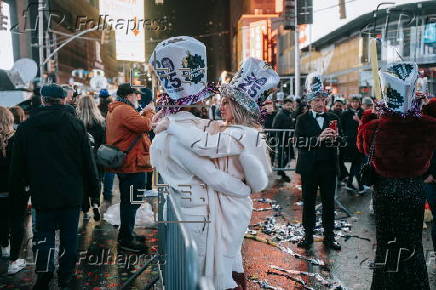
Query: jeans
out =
(430, 190)
(12, 225)
(108, 182)
(130, 202)
(47, 221)
(149, 181)
(356, 165)
(4, 221)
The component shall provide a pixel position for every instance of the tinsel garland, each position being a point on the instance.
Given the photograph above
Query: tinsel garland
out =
(170, 106)
(414, 112)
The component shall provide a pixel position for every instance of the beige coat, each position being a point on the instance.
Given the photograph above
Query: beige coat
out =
(242, 153)
(182, 169)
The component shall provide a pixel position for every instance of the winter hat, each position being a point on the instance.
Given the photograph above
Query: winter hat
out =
(356, 97)
(367, 101)
(250, 83)
(339, 99)
(104, 93)
(314, 87)
(398, 87)
(53, 91)
(126, 89)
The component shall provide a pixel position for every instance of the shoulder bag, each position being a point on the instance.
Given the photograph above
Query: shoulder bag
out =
(109, 156)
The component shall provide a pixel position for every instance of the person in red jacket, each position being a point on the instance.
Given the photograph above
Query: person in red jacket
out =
(430, 178)
(404, 142)
(124, 126)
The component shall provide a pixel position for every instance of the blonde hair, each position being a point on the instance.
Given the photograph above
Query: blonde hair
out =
(240, 115)
(6, 128)
(18, 113)
(88, 112)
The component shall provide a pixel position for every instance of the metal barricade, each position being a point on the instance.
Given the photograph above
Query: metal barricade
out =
(178, 252)
(281, 142)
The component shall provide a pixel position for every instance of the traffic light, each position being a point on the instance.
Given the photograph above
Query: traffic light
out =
(288, 14)
(304, 12)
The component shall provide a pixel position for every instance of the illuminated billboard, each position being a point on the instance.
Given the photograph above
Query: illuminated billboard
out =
(126, 17)
(6, 48)
(258, 30)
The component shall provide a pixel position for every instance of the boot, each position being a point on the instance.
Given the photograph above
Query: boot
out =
(239, 278)
(43, 281)
(330, 241)
(307, 242)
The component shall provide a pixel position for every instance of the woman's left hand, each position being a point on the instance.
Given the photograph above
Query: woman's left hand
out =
(162, 125)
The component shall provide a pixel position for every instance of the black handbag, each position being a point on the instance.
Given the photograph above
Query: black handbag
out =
(368, 176)
(110, 156)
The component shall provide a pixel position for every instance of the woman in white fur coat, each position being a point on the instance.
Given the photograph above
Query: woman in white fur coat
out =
(238, 148)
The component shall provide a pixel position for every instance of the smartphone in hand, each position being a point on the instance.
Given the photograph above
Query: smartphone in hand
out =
(333, 125)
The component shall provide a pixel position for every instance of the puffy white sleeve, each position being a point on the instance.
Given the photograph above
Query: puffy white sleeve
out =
(256, 161)
(208, 145)
(205, 170)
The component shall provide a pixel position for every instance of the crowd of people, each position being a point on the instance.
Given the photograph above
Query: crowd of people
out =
(211, 145)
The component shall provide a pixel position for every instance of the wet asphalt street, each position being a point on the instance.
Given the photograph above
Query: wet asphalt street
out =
(100, 264)
(349, 267)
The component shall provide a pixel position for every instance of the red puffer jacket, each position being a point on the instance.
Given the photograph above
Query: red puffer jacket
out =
(404, 146)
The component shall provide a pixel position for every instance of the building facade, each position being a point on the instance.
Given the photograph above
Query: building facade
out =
(86, 53)
(407, 33)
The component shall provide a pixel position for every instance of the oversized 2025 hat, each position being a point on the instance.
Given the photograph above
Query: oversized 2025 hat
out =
(181, 65)
(250, 82)
(314, 86)
(398, 83)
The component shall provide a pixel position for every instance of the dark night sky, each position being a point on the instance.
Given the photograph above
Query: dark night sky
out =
(202, 19)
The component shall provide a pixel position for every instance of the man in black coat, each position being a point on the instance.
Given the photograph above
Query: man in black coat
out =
(270, 115)
(350, 123)
(52, 155)
(338, 109)
(317, 164)
(284, 120)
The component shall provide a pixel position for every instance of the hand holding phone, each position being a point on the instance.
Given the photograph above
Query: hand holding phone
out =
(334, 125)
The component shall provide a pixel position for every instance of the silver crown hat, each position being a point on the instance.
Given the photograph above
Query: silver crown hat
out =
(398, 84)
(253, 78)
(181, 64)
(314, 86)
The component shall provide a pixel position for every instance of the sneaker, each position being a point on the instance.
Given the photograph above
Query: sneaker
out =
(132, 246)
(16, 266)
(350, 187)
(6, 252)
(367, 188)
